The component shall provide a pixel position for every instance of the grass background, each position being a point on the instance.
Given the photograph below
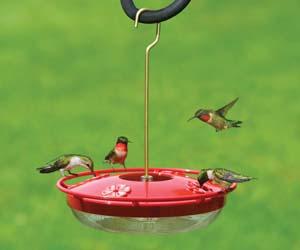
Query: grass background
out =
(72, 80)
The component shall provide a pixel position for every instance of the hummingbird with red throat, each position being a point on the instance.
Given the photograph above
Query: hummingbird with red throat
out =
(216, 118)
(119, 153)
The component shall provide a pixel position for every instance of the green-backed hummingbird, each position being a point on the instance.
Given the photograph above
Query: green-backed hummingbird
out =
(66, 163)
(222, 177)
(216, 118)
(119, 153)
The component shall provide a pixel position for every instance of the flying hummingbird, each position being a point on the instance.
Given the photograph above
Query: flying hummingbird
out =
(221, 176)
(119, 153)
(217, 118)
(66, 163)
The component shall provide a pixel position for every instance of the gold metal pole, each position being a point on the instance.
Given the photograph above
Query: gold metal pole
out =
(147, 177)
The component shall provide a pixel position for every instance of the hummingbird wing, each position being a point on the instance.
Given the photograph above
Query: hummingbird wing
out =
(230, 176)
(61, 157)
(60, 163)
(110, 155)
(223, 111)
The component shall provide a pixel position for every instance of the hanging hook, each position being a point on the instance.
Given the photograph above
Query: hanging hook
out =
(137, 16)
(147, 177)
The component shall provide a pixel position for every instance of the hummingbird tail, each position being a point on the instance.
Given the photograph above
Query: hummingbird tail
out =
(48, 169)
(236, 124)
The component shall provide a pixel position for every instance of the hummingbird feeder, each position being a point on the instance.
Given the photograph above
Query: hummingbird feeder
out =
(155, 200)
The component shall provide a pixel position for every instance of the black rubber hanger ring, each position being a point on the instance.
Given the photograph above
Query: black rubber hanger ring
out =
(154, 16)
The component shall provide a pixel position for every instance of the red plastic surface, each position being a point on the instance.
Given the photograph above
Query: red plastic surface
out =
(122, 193)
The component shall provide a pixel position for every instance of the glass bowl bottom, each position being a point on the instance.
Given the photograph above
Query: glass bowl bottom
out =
(161, 225)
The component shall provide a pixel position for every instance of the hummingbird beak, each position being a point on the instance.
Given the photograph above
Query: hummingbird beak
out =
(192, 118)
(91, 168)
(130, 141)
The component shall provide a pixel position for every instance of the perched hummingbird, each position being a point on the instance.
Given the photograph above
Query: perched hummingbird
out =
(217, 118)
(221, 176)
(119, 153)
(66, 163)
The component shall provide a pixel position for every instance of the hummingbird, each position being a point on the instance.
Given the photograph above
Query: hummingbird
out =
(221, 176)
(66, 163)
(119, 153)
(217, 118)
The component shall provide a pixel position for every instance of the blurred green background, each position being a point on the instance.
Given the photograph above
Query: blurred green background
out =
(72, 80)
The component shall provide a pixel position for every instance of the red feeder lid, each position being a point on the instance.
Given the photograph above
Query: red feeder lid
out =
(172, 192)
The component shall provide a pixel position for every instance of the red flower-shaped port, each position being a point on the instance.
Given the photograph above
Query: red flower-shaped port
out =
(120, 190)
